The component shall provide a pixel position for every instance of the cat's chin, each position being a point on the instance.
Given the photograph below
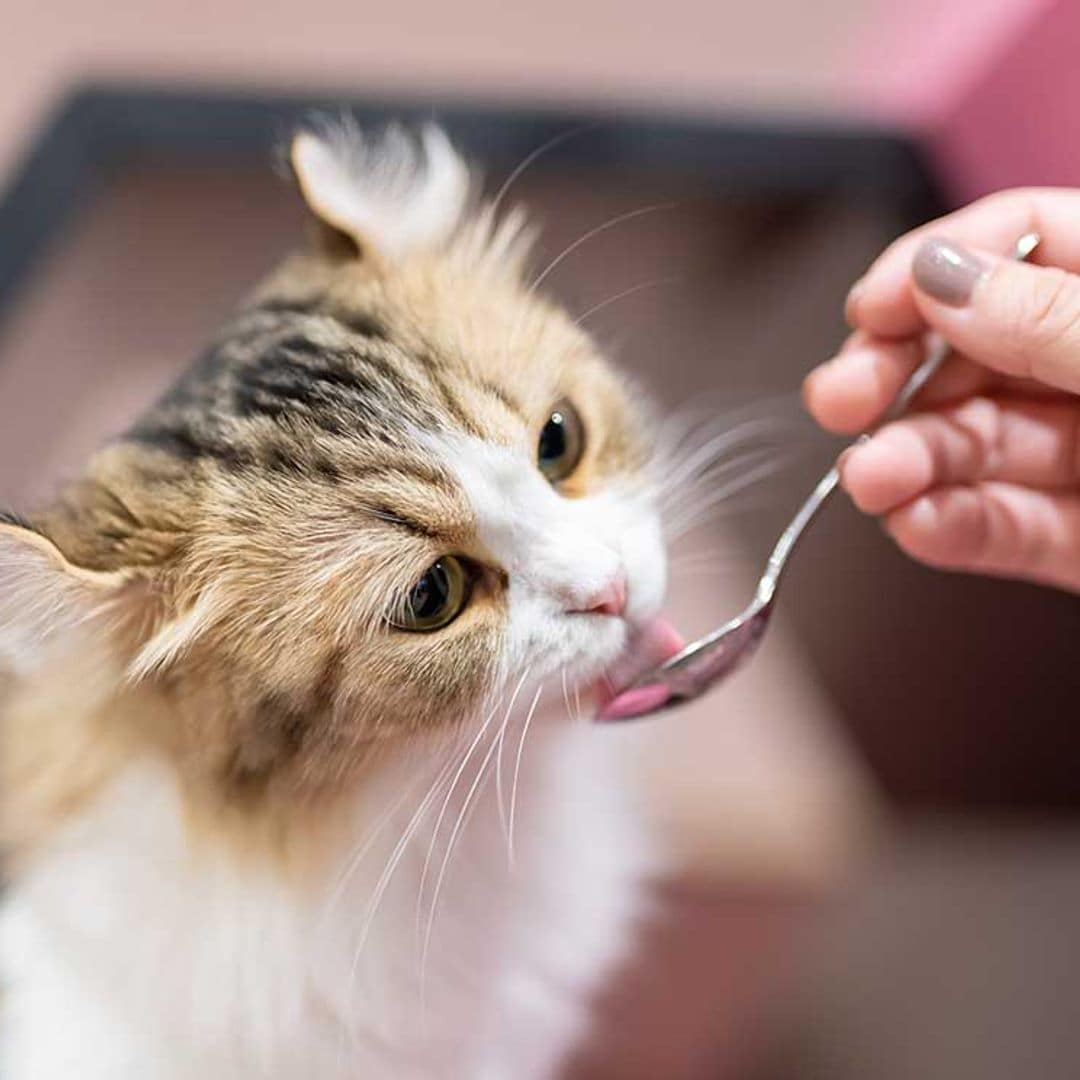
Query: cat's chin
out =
(651, 643)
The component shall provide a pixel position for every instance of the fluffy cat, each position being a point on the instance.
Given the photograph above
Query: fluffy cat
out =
(289, 783)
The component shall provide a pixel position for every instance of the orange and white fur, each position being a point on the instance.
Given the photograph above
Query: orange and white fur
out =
(290, 783)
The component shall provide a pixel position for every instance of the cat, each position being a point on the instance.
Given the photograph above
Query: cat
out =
(290, 787)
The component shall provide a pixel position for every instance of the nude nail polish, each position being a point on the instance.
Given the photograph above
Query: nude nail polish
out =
(947, 271)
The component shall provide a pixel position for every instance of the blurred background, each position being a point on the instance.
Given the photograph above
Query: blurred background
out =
(876, 865)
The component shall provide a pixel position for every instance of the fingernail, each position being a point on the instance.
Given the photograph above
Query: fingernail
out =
(922, 515)
(845, 457)
(947, 271)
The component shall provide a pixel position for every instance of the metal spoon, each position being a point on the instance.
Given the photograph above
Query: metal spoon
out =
(710, 659)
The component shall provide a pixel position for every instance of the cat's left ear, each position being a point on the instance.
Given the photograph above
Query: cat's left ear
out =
(384, 196)
(45, 600)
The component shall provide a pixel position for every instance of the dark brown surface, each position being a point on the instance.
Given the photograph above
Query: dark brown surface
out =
(953, 955)
(956, 957)
(686, 1006)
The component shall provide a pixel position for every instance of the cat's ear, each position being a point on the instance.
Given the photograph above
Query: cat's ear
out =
(385, 196)
(45, 599)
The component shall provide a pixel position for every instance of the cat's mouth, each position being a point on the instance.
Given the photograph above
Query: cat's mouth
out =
(650, 644)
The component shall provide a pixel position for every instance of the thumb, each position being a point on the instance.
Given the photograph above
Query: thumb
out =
(1013, 317)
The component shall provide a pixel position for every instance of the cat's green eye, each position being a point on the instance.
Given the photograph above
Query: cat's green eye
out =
(562, 443)
(437, 599)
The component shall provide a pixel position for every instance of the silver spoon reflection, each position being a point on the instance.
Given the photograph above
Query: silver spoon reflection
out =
(712, 658)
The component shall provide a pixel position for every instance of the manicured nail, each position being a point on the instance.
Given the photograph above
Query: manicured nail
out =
(947, 271)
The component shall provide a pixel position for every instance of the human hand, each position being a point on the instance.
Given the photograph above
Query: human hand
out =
(983, 475)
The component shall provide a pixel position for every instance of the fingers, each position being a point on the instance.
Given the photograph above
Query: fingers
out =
(849, 392)
(994, 528)
(1015, 325)
(1016, 319)
(1018, 441)
(987, 485)
(882, 302)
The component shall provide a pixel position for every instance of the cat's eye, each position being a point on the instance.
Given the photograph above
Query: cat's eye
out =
(437, 599)
(562, 443)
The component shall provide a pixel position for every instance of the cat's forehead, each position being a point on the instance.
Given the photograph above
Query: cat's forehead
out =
(466, 319)
(320, 366)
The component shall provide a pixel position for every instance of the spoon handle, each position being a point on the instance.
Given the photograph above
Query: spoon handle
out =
(937, 355)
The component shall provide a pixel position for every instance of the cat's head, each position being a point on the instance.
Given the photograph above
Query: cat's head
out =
(400, 482)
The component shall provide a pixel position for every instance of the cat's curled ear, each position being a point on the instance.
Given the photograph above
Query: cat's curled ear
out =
(46, 601)
(385, 196)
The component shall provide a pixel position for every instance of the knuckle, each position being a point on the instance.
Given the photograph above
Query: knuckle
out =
(1044, 311)
(1055, 311)
(978, 429)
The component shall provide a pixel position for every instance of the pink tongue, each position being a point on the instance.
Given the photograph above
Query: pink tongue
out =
(654, 643)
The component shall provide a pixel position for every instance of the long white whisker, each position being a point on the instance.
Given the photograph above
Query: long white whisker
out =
(709, 472)
(517, 772)
(388, 871)
(671, 279)
(566, 696)
(680, 525)
(691, 491)
(498, 762)
(399, 848)
(459, 824)
(595, 231)
(443, 809)
(534, 155)
(365, 846)
(698, 457)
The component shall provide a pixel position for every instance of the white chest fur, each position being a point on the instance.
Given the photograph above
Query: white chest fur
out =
(128, 955)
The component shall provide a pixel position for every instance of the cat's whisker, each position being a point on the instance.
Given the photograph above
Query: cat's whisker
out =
(671, 279)
(501, 737)
(517, 771)
(691, 493)
(718, 515)
(566, 696)
(396, 853)
(680, 525)
(701, 457)
(695, 457)
(699, 421)
(696, 464)
(670, 495)
(459, 824)
(362, 850)
(740, 503)
(715, 509)
(705, 479)
(705, 449)
(388, 871)
(619, 219)
(446, 803)
(534, 156)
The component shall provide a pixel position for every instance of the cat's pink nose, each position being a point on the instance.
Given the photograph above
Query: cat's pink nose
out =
(610, 599)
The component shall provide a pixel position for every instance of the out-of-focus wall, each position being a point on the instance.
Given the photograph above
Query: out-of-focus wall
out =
(785, 54)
